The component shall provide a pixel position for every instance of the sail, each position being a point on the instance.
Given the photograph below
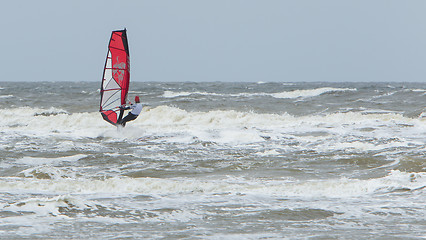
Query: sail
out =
(116, 77)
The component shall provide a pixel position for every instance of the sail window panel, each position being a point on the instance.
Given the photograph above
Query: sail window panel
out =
(111, 99)
(109, 62)
(112, 103)
(107, 78)
(107, 97)
(111, 84)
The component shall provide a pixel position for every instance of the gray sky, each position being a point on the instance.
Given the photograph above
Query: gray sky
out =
(220, 40)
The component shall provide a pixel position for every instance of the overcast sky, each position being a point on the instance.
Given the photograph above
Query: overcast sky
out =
(217, 40)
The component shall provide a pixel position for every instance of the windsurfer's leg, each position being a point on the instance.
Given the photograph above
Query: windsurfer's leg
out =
(132, 117)
(123, 122)
(129, 117)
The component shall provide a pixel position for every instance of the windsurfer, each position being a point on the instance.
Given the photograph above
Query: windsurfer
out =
(136, 110)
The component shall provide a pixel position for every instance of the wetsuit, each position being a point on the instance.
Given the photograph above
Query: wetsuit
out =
(136, 110)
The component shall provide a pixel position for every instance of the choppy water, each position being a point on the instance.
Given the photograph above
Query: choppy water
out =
(215, 161)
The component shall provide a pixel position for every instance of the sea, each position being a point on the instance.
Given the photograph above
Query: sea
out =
(215, 160)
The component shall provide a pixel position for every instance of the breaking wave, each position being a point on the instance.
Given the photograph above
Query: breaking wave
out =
(331, 188)
(171, 120)
(310, 92)
(286, 94)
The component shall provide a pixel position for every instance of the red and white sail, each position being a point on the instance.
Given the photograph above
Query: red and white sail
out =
(116, 77)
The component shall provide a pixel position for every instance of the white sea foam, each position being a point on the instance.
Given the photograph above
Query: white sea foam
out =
(286, 94)
(417, 90)
(326, 167)
(309, 92)
(170, 94)
(332, 188)
(45, 206)
(223, 127)
(36, 122)
(48, 172)
(37, 161)
(268, 153)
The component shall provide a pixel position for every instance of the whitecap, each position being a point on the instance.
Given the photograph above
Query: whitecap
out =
(309, 92)
(36, 161)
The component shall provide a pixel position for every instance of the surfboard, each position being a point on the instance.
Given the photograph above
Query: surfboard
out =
(115, 78)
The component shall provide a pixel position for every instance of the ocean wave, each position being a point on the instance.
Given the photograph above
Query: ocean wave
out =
(350, 131)
(50, 206)
(286, 94)
(334, 133)
(51, 112)
(36, 122)
(165, 115)
(310, 92)
(332, 188)
(171, 94)
(37, 161)
(416, 90)
(6, 96)
(221, 126)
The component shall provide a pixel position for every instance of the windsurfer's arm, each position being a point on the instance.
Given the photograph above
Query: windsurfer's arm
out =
(124, 107)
